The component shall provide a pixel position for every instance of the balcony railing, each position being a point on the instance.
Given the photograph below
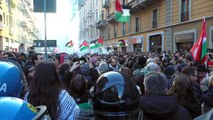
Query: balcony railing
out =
(130, 2)
(92, 25)
(141, 4)
(100, 24)
(23, 24)
(106, 4)
(184, 16)
(111, 18)
(89, 13)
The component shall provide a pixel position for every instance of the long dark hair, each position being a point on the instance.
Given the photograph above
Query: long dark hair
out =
(78, 86)
(182, 88)
(45, 88)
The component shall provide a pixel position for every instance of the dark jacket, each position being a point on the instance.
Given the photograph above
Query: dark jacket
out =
(163, 108)
(207, 97)
(197, 90)
(192, 105)
(169, 81)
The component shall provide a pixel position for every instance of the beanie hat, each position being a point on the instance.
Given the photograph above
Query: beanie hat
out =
(169, 70)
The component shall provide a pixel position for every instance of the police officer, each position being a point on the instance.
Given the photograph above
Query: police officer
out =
(115, 97)
(12, 107)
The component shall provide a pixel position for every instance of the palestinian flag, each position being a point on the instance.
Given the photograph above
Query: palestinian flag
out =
(199, 49)
(99, 42)
(92, 45)
(84, 46)
(69, 44)
(121, 14)
(121, 43)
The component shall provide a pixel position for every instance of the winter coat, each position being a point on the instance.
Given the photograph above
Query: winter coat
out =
(163, 108)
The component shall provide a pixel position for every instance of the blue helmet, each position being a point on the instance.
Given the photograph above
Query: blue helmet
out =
(10, 79)
(16, 109)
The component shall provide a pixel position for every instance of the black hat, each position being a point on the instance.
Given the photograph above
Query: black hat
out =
(169, 70)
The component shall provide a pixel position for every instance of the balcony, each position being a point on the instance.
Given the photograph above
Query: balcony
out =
(24, 24)
(89, 13)
(130, 2)
(24, 36)
(23, 7)
(141, 4)
(12, 31)
(111, 18)
(106, 4)
(92, 25)
(28, 2)
(86, 27)
(100, 24)
(30, 30)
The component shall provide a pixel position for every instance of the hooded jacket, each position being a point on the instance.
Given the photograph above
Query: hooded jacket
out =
(162, 108)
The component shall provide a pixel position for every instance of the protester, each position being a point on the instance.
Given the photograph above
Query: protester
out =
(46, 89)
(183, 90)
(156, 105)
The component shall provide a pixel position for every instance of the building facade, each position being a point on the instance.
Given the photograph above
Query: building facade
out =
(88, 15)
(156, 25)
(17, 25)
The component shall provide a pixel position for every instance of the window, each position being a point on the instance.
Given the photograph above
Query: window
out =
(155, 18)
(7, 19)
(11, 21)
(4, 18)
(7, 40)
(97, 2)
(137, 19)
(184, 10)
(124, 29)
(102, 15)
(96, 13)
(108, 12)
(91, 34)
(115, 31)
(108, 33)
(1, 18)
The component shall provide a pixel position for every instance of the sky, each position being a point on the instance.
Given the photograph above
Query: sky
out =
(59, 26)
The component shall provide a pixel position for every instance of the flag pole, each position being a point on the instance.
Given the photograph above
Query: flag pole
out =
(45, 30)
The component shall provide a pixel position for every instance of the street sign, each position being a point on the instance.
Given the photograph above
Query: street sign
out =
(40, 43)
(39, 6)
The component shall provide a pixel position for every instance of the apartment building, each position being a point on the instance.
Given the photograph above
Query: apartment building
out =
(156, 25)
(88, 15)
(74, 8)
(17, 25)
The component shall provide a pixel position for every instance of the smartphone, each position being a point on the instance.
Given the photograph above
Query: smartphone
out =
(81, 62)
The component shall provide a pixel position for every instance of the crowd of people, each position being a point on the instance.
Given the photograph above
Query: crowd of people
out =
(118, 86)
